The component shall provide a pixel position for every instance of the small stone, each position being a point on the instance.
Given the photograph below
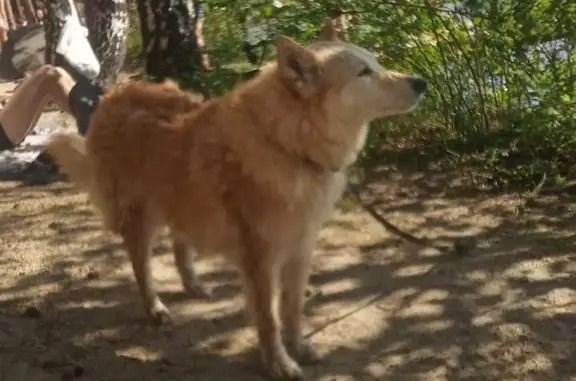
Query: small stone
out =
(78, 370)
(51, 364)
(464, 245)
(32, 312)
(71, 372)
(93, 275)
(312, 292)
(67, 375)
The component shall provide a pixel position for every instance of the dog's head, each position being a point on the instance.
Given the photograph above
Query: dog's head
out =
(347, 78)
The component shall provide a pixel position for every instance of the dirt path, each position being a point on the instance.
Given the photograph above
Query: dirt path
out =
(69, 307)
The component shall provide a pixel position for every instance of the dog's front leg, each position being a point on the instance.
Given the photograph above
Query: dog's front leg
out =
(261, 281)
(294, 276)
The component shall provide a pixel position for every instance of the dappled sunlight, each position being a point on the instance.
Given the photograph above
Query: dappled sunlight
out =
(384, 309)
(423, 311)
(414, 270)
(499, 111)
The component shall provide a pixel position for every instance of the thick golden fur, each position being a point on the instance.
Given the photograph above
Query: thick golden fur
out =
(251, 175)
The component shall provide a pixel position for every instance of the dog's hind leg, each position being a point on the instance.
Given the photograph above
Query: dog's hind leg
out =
(184, 258)
(137, 230)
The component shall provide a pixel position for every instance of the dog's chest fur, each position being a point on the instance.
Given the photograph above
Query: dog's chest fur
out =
(320, 194)
(312, 203)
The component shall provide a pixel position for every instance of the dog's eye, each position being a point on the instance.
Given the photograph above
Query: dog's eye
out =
(366, 71)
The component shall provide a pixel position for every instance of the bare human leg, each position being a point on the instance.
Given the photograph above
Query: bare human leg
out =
(3, 27)
(18, 14)
(6, 23)
(22, 111)
(30, 12)
(39, 10)
(9, 14)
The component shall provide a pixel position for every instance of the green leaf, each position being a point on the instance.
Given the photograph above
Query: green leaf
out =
(268, 11)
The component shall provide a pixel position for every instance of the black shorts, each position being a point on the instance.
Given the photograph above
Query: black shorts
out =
(83, 100)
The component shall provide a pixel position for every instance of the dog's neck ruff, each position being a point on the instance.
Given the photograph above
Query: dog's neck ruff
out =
(308, 162)
(314, 165)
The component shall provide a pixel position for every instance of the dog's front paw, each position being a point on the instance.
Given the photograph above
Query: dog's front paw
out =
(159, 314)
(282, 367)
(304, 353)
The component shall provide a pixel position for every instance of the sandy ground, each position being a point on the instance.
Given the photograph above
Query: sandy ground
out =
(386, 310)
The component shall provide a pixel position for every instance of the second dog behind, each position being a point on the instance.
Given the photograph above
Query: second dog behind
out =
(251, 175)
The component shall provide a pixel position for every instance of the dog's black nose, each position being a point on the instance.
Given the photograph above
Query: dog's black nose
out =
(419, 85)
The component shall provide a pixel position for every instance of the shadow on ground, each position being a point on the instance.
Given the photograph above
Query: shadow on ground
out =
(385, 310)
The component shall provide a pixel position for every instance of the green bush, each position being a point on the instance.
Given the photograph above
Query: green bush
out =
(502, 101)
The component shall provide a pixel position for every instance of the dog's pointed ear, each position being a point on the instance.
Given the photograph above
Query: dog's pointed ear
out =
(329, 31)
(298, 67)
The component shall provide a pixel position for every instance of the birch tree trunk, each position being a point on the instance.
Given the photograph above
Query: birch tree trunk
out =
(55, 11)
(168, 38)
(107, 23)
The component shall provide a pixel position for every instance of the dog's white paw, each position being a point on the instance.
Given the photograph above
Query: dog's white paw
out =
(160, 314)
(282, 367)
(304, 353)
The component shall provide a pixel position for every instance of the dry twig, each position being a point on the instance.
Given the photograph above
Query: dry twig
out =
(460, 246)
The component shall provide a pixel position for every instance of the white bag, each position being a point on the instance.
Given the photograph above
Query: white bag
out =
(75, 47)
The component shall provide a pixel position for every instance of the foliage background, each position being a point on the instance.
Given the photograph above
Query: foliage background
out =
(501, 109)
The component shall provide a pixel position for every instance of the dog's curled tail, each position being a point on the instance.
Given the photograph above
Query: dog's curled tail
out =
(69, 152)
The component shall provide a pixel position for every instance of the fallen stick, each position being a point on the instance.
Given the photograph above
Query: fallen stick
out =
(461, 245)
(354, 189)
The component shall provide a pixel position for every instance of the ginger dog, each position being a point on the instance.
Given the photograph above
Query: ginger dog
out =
(251, 175)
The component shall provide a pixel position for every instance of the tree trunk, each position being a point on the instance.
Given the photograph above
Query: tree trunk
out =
(168, 38)
(107, 21)
(55, 12)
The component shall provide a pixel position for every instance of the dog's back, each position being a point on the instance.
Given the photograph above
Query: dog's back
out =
(133, 123)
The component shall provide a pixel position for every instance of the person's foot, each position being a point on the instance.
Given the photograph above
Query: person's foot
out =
(43, 170)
